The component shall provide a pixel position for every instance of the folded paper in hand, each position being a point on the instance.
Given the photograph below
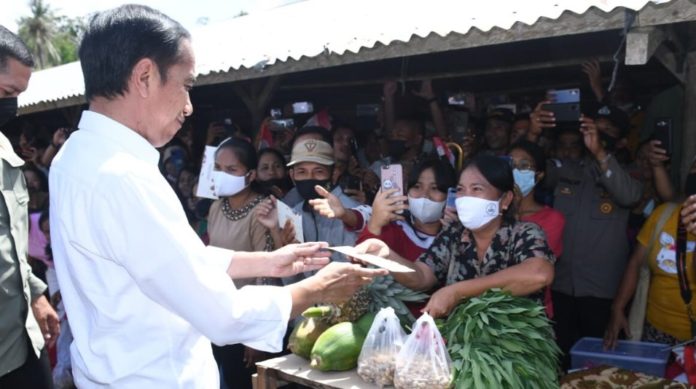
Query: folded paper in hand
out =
(285, 213)
(384, 263)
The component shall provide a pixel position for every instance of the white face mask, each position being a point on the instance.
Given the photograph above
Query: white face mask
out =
(225, 184)
(425, 210)
(476, 212)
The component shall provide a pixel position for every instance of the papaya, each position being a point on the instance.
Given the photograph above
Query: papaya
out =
(304, 335)
(338, 348)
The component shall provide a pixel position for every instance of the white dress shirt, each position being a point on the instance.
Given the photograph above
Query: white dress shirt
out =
(143, 295)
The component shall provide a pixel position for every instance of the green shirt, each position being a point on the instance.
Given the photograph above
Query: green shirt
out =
(18, 285)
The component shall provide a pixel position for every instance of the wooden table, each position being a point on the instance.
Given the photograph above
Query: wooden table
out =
(291, 368)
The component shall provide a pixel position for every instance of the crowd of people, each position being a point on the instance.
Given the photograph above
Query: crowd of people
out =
(569, 213)
(575, 207)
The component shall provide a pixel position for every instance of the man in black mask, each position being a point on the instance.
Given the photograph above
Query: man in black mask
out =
(311, 168)
(25, 313)
(613, 125)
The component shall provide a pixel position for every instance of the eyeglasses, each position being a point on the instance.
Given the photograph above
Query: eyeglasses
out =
(522, 164)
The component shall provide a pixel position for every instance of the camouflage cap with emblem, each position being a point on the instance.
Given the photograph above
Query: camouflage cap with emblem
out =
(312, 150)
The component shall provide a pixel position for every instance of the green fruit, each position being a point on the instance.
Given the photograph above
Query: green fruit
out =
(338, 348)
(365, 322)
(304, 336)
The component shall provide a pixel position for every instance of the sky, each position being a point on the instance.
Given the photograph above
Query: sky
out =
(188, 12)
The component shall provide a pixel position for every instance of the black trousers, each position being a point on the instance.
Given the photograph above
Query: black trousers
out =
(230, 359)
(35, 373)
(577, 317)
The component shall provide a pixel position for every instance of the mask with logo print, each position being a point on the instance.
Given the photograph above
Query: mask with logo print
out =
(475, 212)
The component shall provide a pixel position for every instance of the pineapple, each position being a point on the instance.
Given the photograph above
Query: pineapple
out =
(381, 293)
(351, 310)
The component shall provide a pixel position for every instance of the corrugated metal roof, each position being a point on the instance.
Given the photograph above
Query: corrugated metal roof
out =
(314, 27)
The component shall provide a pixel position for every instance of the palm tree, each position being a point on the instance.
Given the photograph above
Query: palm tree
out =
(38, 32)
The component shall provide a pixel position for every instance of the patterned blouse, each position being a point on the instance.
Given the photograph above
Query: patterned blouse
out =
(452, 256)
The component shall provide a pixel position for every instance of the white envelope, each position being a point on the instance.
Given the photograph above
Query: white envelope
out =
(285, 213)
(384, 263)
(205, 178)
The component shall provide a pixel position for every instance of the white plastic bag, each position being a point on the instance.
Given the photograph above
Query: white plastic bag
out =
(423, 362)
(377, 359)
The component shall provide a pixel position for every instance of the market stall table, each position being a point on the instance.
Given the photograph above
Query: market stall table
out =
(291, 368)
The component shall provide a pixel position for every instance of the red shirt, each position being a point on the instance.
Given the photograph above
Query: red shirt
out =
(396, 237)
(406, 242)
(552, 222)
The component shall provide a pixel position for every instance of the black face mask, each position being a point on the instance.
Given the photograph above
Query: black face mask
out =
(690, 185)
(608, 141)
(397, 148)
(306, 188)
(284, 184)
(8, 109)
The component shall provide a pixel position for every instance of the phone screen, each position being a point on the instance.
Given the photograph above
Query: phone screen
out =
(560, 96)
(302, 107)
(565, 104)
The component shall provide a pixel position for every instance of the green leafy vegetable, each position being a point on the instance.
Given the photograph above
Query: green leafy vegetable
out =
(500, 341)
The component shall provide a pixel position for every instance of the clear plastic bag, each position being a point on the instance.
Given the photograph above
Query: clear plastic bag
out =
(377, 359)
(423, 362)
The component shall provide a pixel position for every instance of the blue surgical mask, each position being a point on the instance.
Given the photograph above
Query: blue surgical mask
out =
(525, 180)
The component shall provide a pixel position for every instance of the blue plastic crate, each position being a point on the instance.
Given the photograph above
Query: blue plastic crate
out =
(644, 357)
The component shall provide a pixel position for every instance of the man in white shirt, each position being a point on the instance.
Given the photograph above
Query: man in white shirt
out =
(143, 295)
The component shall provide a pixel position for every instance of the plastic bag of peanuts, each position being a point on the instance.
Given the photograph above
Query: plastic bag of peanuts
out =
(378, 356)
(423, 362)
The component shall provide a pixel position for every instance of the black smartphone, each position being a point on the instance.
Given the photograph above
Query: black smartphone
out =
(565, 104)
(354, 147)
(662, 131)
(230, 128)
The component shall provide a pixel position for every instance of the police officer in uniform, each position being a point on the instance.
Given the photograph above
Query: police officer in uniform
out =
(595, 193)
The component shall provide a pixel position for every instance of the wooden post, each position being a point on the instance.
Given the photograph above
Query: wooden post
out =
(256, 96)
(689, 136)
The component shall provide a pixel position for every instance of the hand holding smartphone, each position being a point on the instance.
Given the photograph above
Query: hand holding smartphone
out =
(392, 177)
(565, 104)
(662, 131)
(451, 198)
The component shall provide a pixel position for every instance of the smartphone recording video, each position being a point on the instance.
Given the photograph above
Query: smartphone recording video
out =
(302, 107)
(662, 131)
(565, 104)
